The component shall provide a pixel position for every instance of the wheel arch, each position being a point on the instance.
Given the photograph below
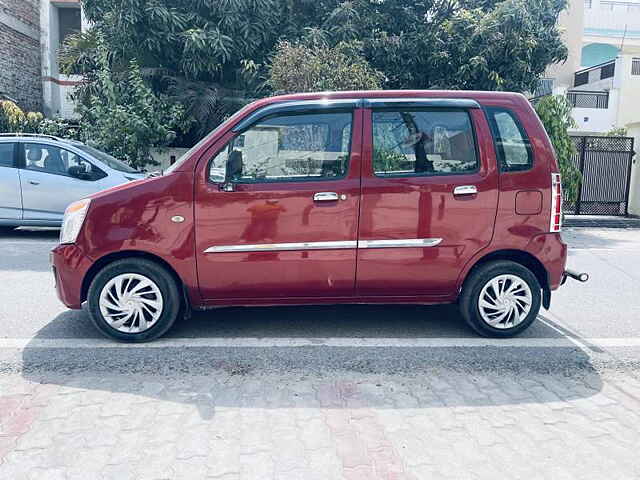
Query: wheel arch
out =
(120, 255)
(521, 257)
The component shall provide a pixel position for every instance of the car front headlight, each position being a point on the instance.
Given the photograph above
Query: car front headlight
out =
(73, 219)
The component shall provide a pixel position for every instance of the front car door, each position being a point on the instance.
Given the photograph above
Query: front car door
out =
(429, 196)
(53, 177)
(10, 195)
(288, 227)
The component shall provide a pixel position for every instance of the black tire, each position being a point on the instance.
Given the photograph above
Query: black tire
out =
(165, 282)
(469, 299)
(6, 229)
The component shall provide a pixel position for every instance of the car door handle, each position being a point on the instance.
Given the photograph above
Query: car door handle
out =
(465, 190)
(325, 197)
(32, 182)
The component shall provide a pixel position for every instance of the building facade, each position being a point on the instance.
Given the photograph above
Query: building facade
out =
(601, 77)
(21, 58)
(31, 33)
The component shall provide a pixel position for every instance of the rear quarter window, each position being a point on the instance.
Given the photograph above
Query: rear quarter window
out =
(513, 148)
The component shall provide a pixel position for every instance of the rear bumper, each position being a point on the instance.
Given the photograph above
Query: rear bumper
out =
(552, 252)
(70, 266)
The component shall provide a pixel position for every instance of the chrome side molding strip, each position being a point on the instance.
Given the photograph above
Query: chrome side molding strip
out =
(274, 247)
(405, 242)
(271, 247)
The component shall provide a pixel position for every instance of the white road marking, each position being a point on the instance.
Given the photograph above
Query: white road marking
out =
(248, 342)
(602, 249)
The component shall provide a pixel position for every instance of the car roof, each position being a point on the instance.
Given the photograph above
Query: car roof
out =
(26, 137)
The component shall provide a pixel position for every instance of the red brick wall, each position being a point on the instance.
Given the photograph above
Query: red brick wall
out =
(20, 60)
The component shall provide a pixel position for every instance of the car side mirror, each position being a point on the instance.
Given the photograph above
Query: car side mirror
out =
(233, 171)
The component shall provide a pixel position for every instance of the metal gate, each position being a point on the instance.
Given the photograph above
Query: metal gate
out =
(605, 164)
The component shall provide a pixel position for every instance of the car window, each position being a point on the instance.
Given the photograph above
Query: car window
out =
(110, 161)
(424, 142)
(6, 154)
(313, 146)
(512, 144)
(59, 161)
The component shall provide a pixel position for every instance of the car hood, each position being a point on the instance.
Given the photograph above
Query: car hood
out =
(133, 186)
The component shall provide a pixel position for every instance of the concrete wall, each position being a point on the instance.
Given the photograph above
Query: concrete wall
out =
(165, 157)
(612, 19)
(629, 91)
(20, 57)
(634, 191)
(56, 87)
(571, 23)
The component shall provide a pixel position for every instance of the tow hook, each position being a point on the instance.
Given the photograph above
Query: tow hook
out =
(581, 277)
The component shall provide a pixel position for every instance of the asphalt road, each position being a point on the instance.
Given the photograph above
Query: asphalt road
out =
(331, 392)
(607, 307)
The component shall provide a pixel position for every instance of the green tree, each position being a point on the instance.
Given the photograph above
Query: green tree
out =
(472, 44)
(125, 118)
(14, 120)
(555, 114)
(200, 52)
(617, 132)
(297, 67)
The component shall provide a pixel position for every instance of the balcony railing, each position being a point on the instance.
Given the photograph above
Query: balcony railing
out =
(595, 73)
(586, 99)
(635, 66)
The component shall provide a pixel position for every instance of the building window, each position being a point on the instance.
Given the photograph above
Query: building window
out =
(69, 22)
(635, 66)
(587, 3)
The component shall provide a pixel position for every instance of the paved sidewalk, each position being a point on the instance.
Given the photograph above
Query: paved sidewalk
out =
(230, 424)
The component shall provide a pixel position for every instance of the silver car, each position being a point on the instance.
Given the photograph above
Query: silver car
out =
(40, 175)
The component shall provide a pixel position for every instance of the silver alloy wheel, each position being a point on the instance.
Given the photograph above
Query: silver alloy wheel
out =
(505, 301)
(131, 303)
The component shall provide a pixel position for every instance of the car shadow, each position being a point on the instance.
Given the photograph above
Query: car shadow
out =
(316, 376)
(30, 232)
(594, 238)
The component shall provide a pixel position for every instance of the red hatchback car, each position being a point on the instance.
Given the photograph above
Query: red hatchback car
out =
(421, 197)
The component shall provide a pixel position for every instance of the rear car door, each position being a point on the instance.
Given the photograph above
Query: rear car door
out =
(429, 195)
(48, 186)
(10, 195)
(286, 224)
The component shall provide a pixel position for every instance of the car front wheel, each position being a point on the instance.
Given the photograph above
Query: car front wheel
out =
(500, 299)
(133, 300)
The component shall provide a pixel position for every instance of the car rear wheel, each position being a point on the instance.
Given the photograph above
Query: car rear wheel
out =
(500, 299)
(133, 300)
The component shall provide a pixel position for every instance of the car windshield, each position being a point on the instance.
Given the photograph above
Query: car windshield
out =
(110, 161)
(187, 154)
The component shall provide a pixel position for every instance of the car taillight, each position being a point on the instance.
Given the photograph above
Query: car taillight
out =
(556, 203)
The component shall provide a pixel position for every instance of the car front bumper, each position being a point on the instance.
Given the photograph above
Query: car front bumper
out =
(70, 265)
